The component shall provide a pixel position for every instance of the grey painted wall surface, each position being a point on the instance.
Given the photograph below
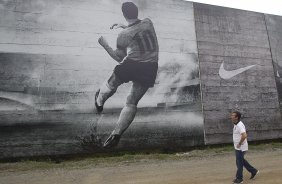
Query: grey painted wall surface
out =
(51, 65)
(274, 25)
(236, 39)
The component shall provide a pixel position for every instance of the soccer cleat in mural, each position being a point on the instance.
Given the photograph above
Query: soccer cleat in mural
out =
(112, 141)
(99, 109)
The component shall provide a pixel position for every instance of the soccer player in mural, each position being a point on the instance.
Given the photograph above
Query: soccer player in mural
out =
(241, 146)
(137, 55)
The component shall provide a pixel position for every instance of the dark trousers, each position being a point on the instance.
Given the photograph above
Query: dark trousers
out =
(241, 162)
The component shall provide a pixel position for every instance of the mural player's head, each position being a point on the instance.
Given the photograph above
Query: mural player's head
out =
(235, 116)
(129, 10)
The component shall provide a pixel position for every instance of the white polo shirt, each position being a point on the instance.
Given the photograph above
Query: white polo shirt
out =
(237, 131)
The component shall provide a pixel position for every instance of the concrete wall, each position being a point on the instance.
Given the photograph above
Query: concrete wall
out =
(235, 39)
(274, 25)
(51, 65)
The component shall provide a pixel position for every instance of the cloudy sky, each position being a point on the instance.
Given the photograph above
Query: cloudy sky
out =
(263, 6)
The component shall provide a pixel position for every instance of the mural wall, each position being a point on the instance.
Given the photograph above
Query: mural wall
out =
(51, 65)
(236, 73)
(274, 24)
(211, 61)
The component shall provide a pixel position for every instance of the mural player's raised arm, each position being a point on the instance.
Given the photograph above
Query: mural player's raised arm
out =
(117, 54)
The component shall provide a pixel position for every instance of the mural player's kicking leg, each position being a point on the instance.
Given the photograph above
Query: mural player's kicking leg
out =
(107, 89)
(127, 114)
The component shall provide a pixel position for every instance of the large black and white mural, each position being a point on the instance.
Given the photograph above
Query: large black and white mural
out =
(84, 76)
(109, 75)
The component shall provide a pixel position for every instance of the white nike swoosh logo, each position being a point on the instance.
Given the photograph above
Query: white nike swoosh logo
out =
(224, 74)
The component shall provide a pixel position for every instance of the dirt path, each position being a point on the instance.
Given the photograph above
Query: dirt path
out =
(211, 169)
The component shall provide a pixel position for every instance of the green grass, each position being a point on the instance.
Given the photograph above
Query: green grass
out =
(123, 158)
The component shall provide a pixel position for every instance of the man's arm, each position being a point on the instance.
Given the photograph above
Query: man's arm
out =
(116, 26)
(243, 137)
(117, 54)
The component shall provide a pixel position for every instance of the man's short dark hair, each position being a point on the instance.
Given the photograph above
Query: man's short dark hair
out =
(238, 114)
(129, 10)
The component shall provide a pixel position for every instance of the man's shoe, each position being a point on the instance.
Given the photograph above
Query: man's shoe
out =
(112, 141)
(236, 181)
(254, 175)
(99, 109)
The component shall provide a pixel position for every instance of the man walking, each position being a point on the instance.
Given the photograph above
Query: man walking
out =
(137, 54)
(241, 146)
